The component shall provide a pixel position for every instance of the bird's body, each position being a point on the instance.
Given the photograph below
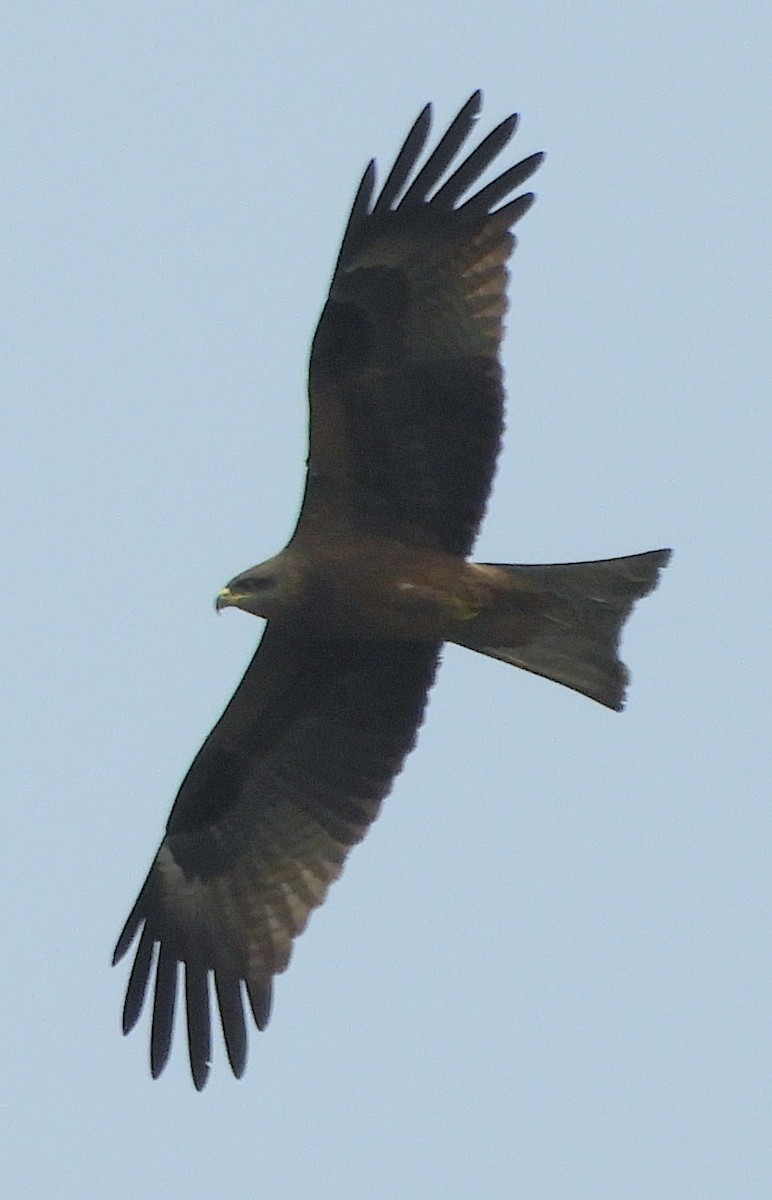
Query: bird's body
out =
(406, 403)
(369, 587)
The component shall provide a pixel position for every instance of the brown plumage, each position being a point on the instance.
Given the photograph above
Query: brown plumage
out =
(406, 405)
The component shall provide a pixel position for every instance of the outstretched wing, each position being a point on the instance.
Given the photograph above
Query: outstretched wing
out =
(405, 383)
(288, 780)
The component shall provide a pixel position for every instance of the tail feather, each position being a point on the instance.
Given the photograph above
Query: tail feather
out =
(564, 620)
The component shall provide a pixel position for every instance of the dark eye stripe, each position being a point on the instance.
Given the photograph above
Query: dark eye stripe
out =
(257, 583)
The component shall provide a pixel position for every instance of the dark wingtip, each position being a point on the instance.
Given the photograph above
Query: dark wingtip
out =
(164, 1004)
(260, 999)
(200, 1076)
(139, 977)
(516, 209)
(229, 999)
(197, 1012)
(127, 934)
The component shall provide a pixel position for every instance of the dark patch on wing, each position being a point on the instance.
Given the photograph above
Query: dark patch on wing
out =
(405, 382)
(298, 766)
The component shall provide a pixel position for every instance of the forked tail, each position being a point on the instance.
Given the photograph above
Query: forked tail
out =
(563, 621)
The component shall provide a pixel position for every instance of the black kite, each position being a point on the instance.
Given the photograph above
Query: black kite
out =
(406, 406)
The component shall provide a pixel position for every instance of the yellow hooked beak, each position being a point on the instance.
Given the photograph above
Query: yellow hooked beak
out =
(227, 599)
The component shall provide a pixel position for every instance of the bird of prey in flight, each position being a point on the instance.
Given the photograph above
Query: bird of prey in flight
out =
(406, 404)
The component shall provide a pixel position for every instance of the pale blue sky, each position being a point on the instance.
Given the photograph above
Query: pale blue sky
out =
(547, 973)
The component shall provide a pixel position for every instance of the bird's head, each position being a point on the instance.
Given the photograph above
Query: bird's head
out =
(270, 590)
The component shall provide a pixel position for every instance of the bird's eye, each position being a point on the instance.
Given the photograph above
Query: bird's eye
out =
(256, 583)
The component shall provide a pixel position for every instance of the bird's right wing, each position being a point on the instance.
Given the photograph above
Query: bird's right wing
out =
(288, 780)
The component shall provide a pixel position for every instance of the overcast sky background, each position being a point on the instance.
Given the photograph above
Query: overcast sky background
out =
(547, 973)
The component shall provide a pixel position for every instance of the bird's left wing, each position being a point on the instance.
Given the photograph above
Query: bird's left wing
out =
(405, 381)
(288, 780)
